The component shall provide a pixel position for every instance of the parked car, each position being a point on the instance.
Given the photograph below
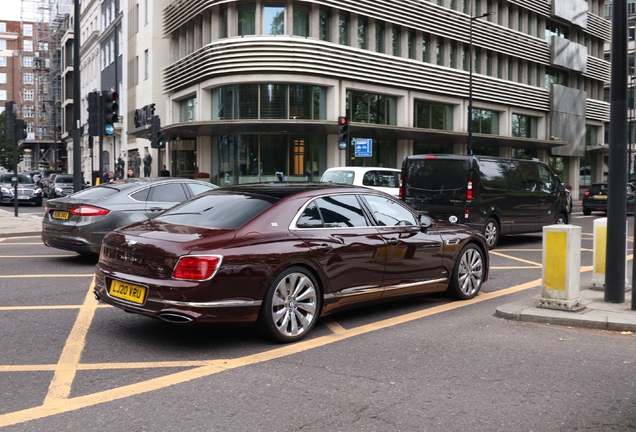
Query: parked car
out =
(284, 255)
(80, 221)
(493, 195)
(45, 173)
(384, 179)
(595, 198)
(58, 185)
(28, 191)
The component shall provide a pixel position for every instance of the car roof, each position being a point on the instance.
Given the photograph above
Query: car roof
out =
(357, 169)
(285, 189)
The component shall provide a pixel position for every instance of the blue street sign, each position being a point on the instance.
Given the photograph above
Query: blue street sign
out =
(342, 145)
(363, 147)
(109, 129)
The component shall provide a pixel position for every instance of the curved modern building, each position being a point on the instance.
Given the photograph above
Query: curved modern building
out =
(254, 88)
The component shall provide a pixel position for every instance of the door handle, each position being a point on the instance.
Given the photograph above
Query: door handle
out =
(155, 209)
(324, 248)
(393, 241)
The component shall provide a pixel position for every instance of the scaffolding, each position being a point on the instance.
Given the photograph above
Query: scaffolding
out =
(50, 20)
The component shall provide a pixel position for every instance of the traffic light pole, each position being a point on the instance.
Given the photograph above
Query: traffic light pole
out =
(15, 167)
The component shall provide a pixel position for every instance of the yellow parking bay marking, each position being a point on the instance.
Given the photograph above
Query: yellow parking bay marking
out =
(45, 276)
(53, 406)
(53, 307)
(37, 256)
(533, 263)
(333, 326)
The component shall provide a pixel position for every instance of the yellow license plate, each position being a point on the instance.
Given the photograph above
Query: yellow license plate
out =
(60, 215)
(600, 197)
(127, 291)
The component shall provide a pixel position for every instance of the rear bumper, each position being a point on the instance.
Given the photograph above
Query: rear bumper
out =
(61, 240)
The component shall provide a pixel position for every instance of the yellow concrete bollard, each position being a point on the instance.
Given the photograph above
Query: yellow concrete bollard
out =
(599, 254)
(561, 273)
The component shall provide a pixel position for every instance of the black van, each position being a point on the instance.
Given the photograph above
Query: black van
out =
(493, 195)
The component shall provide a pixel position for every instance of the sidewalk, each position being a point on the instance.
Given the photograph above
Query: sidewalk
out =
(23, 225)
(597, 313)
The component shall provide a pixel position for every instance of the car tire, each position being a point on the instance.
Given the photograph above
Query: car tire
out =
(468, 273)
(291, 306)
(561, 219)
(587, 212)
(491, 232)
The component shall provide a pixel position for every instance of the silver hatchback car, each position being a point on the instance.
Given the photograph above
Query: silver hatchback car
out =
(80, 221)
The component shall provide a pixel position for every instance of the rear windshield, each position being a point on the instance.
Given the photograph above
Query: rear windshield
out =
(597, 188)
(381, 178)
(96, 192)
(339, 176)
(218, 210)
(437, 175)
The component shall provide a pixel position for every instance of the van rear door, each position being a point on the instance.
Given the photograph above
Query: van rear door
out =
(436, 185)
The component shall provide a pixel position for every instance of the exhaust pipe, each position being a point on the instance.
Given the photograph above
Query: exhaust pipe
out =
(96, 296)
(176, 318)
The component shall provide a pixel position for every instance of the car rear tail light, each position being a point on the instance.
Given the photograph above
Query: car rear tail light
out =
(587, 193)
(47, 208)
(401, 189)
(429, 157)
(197, 267)
(466, 214)
(469, 188)
(85, 210)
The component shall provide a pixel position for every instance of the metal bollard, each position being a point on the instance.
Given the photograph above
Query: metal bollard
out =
(561, 273)
(600, 252)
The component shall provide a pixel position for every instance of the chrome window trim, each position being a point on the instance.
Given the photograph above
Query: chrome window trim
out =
(213, 304)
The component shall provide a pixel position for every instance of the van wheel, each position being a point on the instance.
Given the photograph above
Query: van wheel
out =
(561, 219)
(491, 232)
(468, 273)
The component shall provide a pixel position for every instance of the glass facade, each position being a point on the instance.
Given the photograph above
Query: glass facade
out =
(431, 115)
(432, 148)
(188, 110)
(239, 159)
(384, 154)
(269, 101)
(524, 126)
(371, 108)
(485, 122)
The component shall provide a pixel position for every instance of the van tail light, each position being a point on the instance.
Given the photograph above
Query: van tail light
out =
(466, 214)
(401, 193)
(87, 210)
(197, 267)
(469, 188)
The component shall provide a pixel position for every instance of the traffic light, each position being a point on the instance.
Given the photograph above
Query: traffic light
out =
(93, 114)
(110, 108)
(156, 135)
(343, 130)
(9, 120)
(20, 130)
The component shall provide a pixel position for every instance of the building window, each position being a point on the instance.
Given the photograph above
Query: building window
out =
(3, 44)
(489, 63)
(28, 78)
(524, 126)
(439, 51)
(188, 110)
(553, 76)
(412, 44)
(146, 64)
(379, 36)
(432, 148)
(396, 40)
(43, 46)
(324, 27)
(591, 135)
(146, 10)
(362, 33)
(301, 20)
(27, 30)
(112, 50)
(223, 23)
(343, 29)
(28, 45)
(3, 95)
(254, 101)
(553, 29)
(485, 122)
(28, 94)
(3, 27)
(371, 108)
(27, 111)
(274, 19)
(3, 78)
(465, 57)
(426, 42)
(432, 115)
(247, 19)
(27, 62)
(3, 61)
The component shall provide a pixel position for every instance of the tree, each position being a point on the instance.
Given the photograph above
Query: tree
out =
(6, 148)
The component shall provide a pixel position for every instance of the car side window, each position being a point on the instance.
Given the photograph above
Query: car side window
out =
(341, 211)
(388, 212)
(197, 189)
(142, 195)
(169, 192)
(546, 180)
(310, 218)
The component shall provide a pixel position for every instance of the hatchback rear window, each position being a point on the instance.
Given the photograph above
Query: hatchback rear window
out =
(595, 189)
(96, 192)
(218, 210)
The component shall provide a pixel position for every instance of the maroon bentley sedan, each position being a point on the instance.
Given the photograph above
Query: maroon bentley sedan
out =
(283, 254)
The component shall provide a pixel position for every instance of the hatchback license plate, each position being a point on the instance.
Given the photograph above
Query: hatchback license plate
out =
(60, 215)
(602, 197)
(127, 291)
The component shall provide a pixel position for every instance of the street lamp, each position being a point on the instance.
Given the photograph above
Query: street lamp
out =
(470, 80)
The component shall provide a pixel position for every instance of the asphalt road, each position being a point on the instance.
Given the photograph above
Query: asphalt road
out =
(425, 364)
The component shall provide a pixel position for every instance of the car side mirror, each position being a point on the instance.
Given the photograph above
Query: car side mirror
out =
(425, 221)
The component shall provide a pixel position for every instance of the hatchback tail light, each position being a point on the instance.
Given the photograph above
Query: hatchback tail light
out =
(401, 189)
(197, 267)
(87, 210)
(587, 192)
